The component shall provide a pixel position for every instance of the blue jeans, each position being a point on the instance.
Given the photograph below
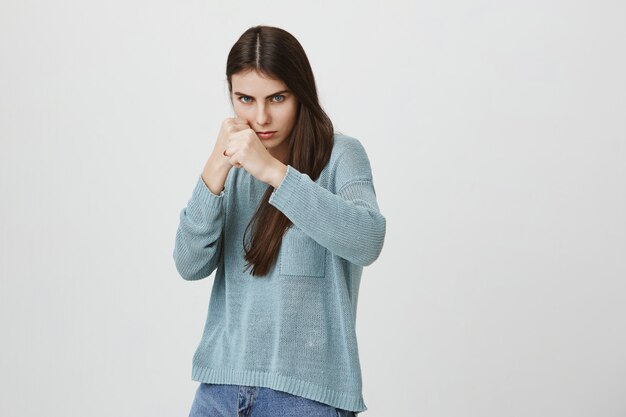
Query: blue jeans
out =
(222, 400)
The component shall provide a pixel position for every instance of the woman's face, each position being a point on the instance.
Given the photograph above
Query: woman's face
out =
(268, 106)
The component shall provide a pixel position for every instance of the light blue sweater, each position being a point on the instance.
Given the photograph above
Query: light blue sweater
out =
(294, 329)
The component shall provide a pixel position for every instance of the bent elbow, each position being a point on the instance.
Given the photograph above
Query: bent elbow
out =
(375, 243)
(190, 271)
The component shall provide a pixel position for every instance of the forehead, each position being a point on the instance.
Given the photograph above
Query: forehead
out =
(253, 83)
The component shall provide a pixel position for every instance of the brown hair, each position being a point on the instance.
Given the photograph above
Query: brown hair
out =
(275, 53)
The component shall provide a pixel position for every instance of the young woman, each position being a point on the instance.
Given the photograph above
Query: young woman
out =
(288, 230)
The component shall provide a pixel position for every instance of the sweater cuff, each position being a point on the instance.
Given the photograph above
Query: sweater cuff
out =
(282, 194)
(202, 195)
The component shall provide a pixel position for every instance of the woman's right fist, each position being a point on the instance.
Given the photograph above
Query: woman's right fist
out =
(230, 126)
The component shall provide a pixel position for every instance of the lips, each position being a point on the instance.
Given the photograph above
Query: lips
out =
(266, 135)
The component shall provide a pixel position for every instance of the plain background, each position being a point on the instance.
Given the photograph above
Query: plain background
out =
(496, 132)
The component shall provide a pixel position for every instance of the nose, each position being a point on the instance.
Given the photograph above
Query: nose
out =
(263, 115)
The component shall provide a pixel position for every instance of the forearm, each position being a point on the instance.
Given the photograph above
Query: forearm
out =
(198, 238)
(348, 223)
(214, 174)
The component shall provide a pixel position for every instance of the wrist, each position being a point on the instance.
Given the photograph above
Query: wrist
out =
(219, 163)
(280, 172)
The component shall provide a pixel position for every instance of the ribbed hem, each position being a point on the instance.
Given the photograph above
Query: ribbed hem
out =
(280, 383)
(281, 195)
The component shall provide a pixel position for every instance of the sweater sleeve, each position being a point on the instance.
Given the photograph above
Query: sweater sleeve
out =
(198, 242)
(348, 223)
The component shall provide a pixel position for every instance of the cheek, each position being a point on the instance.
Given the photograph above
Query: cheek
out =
(288, 115)
(242, 112)
(292, 114)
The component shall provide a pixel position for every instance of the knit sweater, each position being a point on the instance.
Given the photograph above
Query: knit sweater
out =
(292, 330)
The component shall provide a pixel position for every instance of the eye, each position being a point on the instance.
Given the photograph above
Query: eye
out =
(243, 97)
(281, 96)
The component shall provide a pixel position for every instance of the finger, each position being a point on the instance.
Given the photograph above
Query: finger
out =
(235, 163)
(239, 121)
(235, 128)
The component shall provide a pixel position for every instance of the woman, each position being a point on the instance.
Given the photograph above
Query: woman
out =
(289, 231)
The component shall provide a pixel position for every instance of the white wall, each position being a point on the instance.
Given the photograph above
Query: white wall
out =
(497, 136)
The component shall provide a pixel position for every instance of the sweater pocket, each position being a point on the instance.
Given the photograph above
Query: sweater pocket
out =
(300, 255)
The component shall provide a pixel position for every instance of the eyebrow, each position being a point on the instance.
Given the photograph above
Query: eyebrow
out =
(271, 95)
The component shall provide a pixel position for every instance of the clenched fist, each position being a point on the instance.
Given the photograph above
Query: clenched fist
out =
(241, 146)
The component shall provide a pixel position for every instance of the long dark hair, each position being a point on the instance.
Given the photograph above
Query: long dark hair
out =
(275, 53)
